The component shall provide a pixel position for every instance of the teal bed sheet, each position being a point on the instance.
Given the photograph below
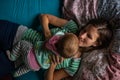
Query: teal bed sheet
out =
(25, 12)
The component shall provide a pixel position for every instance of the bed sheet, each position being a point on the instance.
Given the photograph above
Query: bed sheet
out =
(25, 12)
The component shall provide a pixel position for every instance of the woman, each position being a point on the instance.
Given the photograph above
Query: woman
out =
(95, 35)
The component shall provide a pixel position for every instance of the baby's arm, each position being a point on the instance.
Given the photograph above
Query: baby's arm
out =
(47, 19)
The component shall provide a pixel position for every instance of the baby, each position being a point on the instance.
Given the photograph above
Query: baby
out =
(38, 56)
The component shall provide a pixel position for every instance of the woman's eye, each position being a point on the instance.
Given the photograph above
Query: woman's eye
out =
(89, 36)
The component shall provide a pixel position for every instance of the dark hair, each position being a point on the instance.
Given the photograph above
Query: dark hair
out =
(104, 30)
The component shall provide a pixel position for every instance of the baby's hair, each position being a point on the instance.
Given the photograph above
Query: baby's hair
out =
(68, 45)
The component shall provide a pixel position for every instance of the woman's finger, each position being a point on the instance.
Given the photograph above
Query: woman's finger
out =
(61, 59)
(53, 59)
(57, 59)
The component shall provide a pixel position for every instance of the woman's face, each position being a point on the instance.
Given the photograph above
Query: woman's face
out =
(88, 37)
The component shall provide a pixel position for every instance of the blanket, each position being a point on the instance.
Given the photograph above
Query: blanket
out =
(98, 64)
(84, 10)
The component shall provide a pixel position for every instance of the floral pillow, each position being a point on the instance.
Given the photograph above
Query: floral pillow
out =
(101, 64)
(115, 45)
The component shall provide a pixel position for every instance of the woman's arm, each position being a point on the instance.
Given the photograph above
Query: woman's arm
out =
(60, 74)
(51, 19)
(47, 19)
(52, 74)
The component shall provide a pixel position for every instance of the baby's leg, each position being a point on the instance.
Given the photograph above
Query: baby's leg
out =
(21, 70)
(15, 53)
(33, 36)
(20, 49)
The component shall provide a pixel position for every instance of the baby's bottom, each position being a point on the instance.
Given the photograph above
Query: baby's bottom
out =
(24, 50)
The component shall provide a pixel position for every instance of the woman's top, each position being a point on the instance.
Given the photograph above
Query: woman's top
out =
(33, 36)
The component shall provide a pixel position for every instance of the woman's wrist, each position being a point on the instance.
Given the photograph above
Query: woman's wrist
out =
(47, 34)
(52, 67)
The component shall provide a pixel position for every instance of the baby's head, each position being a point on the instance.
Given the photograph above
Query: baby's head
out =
(68, 45)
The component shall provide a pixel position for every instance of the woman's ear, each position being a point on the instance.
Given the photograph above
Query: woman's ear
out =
(96, 44)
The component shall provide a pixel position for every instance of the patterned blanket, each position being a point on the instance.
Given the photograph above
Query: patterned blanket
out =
(98, 64)
(83, 10)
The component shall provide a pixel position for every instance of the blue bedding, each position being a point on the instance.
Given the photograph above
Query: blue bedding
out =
(25, 12)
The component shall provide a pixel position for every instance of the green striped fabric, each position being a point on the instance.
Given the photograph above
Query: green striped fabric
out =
(73, 66)
(34, 36)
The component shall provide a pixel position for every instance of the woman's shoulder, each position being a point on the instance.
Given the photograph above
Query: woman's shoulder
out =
(71, 26)
(71, 23)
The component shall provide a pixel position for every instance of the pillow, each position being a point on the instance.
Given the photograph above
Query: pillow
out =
(93, 66)
(98, 64)
(101, 64)
(82, 11)
(113, 58)
(115, 44)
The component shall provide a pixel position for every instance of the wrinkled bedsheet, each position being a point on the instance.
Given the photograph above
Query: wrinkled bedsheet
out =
(83, 10)
(101, 65)
(98, 64)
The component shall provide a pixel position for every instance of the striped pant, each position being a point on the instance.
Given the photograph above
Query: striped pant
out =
(21, 50)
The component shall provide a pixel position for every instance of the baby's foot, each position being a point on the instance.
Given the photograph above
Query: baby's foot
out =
(21, 71)
(10, 56)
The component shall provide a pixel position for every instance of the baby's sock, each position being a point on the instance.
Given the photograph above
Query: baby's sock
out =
(10, 56)
(21, 70)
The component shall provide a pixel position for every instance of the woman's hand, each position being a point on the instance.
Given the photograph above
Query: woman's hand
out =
(45, 25)
(47, 34)
(56, 59)
(50, 74)
(47, 19)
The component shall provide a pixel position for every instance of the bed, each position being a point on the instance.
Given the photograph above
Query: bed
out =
(25, 12)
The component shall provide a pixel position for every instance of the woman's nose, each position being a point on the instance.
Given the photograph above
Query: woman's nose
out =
(82, 36)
